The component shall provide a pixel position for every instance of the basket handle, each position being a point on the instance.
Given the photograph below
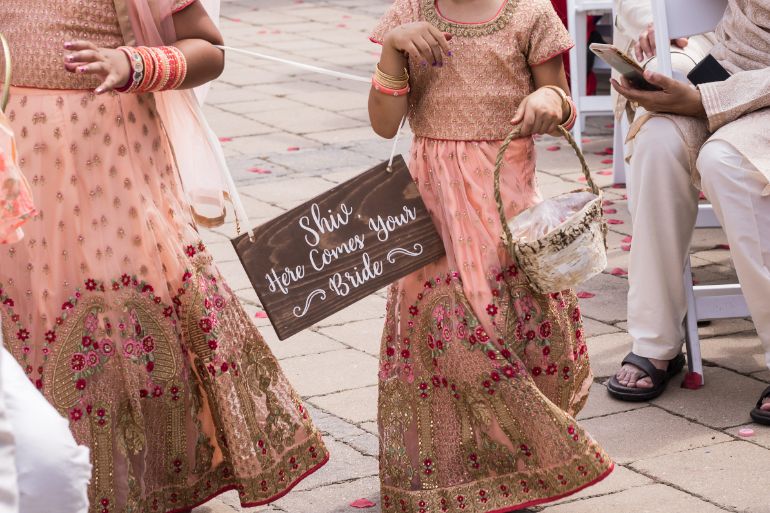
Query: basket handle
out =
(515, 134)
(7, 75)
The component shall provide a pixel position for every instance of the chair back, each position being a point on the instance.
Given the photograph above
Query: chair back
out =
(683, 18)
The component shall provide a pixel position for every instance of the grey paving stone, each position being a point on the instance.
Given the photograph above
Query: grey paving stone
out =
(345, 464)
(332, 371)
(647, 432)
(620, 479)
(334, 498)
(306, 342)
(362, 335)
(609, 301)
(742, 352)
(607, 351)
(734, 394)
(358, 405)
(367, 444)
(733, 474)
(655, 498)
(601, 404)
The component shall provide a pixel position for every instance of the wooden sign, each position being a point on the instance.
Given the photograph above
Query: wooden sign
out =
(339, 247)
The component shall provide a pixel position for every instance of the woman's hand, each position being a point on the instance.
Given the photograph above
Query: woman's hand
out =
(674, 97)
(421, 41)
(111, 66)
(645, 46)
(539, 113)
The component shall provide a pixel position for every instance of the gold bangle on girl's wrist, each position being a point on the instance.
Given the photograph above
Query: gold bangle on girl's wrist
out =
(390, 81)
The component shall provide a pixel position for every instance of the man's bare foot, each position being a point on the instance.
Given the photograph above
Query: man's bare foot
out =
(632, 376)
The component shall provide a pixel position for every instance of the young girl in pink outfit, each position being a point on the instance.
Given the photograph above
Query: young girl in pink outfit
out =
(480, 376)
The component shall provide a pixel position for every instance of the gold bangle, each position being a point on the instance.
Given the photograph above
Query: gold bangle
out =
(390, 81)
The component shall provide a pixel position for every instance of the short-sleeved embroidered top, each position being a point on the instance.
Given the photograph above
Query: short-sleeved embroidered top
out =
(38, 29)
(474, 95)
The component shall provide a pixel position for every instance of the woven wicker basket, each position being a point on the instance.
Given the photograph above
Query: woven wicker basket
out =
(561, 242)
(6, 49)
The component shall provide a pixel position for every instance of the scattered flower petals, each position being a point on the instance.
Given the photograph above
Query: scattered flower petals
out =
(605, 172)
(607, 203)
(586, 295)
(619, 186)
(553, 148)
(627, 239)
(609, 150)
(614, 221)
(585, 140)
(625, 247)
(625, 196)
(607, 161)
(259, 171)
(341, 25)
(610, 211)
(619, 272)
(746, 432)
(225, 139)
(260, 315)
(582, 179)
(722, 246)
(611, 125)
(362, 503)
(692, 381)
(292, 148)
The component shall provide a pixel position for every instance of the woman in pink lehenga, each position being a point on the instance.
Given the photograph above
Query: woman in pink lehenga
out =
(480, 376)
(111, 303)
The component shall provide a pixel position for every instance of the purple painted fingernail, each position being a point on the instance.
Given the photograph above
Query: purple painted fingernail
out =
(449, 53)
(70, 58)
(81, 69)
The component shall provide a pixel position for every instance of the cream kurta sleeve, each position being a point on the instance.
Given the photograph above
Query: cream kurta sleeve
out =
(742, 93)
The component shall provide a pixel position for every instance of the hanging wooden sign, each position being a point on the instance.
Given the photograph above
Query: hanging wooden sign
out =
(339, 247)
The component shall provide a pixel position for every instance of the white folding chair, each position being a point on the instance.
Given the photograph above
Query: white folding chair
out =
(684, 18)
(598, 105)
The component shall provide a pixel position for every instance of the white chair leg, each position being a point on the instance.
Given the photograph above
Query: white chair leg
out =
(618, 153)
(706, 217)
(692, 339)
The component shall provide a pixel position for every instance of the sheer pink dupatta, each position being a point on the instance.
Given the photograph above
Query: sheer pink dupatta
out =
(205, 177)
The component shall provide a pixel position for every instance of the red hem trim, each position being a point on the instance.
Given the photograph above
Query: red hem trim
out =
(555, 54)
(373, 40)
(253, 504)
(183, 6)
(537, 502)
(493, 18)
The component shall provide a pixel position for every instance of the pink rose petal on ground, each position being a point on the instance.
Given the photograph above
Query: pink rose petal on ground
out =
(627, 239)
(553, 148)
(605, 172)
(619, 272)
(611, 125)
(607, 203)
(610, 211)
(362, 503)
(614, 221)
(225, 139)
(702, 196)
(722, 246)
(746, 432)
(341, 25)
(346, 16)
(625, 196)
(619, 186)
(259, 171)
(600, 153)
(625, 247)
(585, 140)
(607, 161)
(292, 148)
(276, 31)
(609, 150)
(586, 295)
(582, 179)
(260, 315)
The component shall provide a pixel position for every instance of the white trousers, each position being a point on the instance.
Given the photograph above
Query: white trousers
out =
(664, 206)
(51, 471)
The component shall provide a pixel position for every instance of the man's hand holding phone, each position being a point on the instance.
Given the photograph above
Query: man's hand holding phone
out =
(674, 97)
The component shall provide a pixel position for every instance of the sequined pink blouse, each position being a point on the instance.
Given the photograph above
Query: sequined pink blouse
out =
(474, 95)
(38, 55)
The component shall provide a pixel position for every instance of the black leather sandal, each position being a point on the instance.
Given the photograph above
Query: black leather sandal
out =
(659, 378)
(758, 415)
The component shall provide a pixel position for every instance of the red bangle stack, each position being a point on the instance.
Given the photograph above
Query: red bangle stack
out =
(154, 69)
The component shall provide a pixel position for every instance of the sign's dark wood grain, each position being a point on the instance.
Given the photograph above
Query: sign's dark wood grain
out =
(339, 247)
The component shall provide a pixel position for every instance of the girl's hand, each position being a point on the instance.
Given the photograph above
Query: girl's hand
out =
(110, 65)
(539, 113)
(421, 41)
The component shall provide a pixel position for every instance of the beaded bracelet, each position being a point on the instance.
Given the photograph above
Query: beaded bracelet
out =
(154, 69)
(386, 90)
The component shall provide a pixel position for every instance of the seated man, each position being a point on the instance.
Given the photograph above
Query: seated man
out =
(715, 135)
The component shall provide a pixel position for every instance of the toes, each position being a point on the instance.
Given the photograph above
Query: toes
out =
(645, 382)
(765, 405)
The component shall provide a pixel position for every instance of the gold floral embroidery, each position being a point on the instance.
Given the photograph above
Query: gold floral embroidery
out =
(499, 22)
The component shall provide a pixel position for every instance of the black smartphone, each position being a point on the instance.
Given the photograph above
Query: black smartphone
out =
(624, 65)
(708, 70)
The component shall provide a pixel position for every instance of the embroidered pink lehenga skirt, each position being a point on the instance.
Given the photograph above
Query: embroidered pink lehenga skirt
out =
(480, 377)
(113, 306)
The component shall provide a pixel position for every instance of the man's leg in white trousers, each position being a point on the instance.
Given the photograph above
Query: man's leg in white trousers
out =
(53, 471)
(664, 206)
(9, 493)
(741, 198)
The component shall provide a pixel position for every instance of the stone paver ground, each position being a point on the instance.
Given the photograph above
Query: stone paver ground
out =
(290, 135)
